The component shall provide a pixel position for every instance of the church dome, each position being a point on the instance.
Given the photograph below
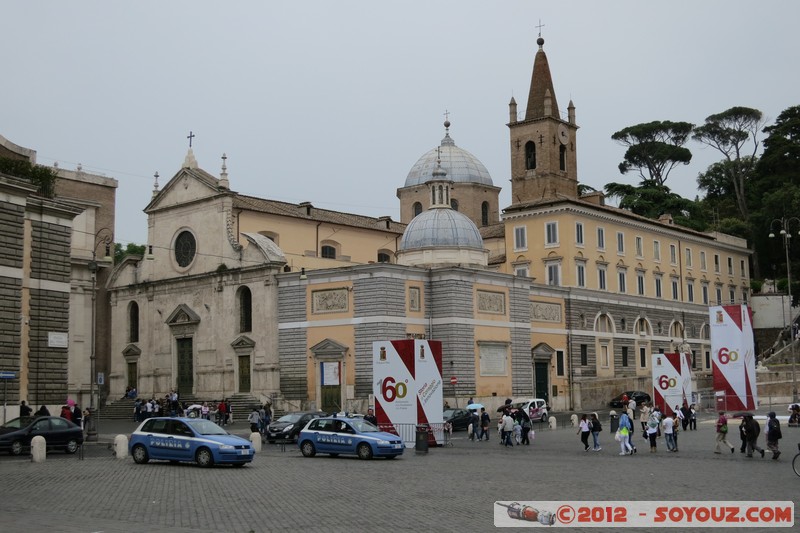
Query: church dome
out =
(461, 166)
(441, 228)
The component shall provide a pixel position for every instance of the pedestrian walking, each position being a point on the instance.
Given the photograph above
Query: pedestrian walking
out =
(222, 416)
(742, 436)
(517, 432)
(596, 429)
(525, 421)
(485, 420)
(644, 415)
(773, 434)
(692, 418)
(679, 412)
(77, 415)
(685, 416)
(474, 426)
(752, 429)
(508, 429)
(653, 423)
(669, 425)
(624, 432)
(253, 418)
(584, 430)
(24, 409)
(627, 421)
(675, 428)
(722, 433)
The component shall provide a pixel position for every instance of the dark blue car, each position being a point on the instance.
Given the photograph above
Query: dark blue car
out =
(188, 440)
(354, 436)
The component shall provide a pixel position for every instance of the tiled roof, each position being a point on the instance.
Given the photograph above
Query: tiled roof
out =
(308, 212)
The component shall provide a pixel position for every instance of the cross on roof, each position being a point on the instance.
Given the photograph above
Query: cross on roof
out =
(540, 26)
(190, 137)
(446, 114)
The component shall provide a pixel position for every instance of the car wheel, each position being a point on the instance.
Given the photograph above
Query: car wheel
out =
(140, 455)
(16, 448)
(308, 449)
(364, 451)
(544, 419)
(72, 446)
(204, 457)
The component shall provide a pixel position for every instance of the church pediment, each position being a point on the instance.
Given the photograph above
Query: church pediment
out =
(131, 350)
(329, 348)
(186, 186)
(182, 316)
(243, 341)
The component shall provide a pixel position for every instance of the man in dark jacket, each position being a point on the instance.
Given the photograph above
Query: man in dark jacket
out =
(752, 429)
(773, 434)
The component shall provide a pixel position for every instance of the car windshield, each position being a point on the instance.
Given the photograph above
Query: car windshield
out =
(291, 417)
(518, 405)
(362, 426)
(17, 423)
(206, 427)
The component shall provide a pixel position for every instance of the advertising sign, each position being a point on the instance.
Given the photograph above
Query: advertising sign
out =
(407, 383)
(733, 357)
(672, 381)
(428, 378)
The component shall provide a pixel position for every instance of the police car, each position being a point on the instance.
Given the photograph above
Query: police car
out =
(188, 440)
(355, 436)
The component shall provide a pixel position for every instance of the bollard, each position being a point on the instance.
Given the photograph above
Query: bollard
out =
(255, 440)
(552, 422)
(573, 420)
(121, 446)
(38, 449)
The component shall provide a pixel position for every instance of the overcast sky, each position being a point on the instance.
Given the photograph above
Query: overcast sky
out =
(333, 102)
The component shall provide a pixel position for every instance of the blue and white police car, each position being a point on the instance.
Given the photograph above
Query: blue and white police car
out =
(334, 436)
(188, 440)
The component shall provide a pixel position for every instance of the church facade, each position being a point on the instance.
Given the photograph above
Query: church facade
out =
(556, 296)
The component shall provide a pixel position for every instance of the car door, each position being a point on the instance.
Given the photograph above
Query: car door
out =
(343, 438)
(59, 432)
(157, 439)
(183, 440)
(39, 428)
(320, 432)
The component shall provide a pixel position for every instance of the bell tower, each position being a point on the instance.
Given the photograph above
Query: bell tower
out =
(543, 152)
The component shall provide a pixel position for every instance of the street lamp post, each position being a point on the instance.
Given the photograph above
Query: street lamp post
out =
(784, 223)
(103, 236)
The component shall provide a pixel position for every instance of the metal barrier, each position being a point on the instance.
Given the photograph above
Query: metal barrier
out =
(438, 434)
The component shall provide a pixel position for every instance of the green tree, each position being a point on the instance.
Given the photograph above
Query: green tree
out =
(775, 186)
(130, 249)
(734, 133)
(654, 149)
(651, 201)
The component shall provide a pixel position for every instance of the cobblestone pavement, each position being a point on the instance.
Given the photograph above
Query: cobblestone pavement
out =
(448, 489)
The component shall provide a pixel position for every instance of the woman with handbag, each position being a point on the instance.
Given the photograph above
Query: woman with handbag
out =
(722, 433)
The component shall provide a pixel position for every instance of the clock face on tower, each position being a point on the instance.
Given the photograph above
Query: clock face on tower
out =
(563, 134)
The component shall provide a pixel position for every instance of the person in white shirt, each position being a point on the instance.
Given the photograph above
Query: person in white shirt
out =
(668, 424)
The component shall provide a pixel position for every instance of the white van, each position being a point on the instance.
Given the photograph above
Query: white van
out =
(535, 407)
